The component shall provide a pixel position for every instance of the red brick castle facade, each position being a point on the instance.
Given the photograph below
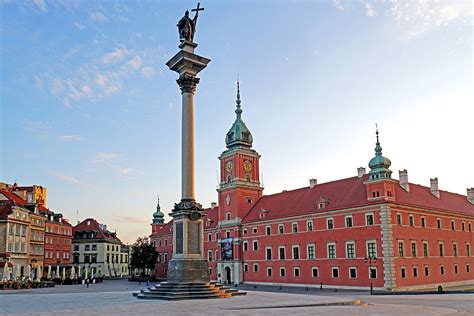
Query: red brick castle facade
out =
(348, 233)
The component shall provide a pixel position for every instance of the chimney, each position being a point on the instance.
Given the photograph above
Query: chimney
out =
(360, 172)
(403, 177)
(213, 204)
(434, 187)
(312, 183)
(470, 195)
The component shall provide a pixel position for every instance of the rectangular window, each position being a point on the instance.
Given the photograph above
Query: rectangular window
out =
(268, 230)
(400, 249)
(209, 237)
(227, 234)
(463, 226)
(331, 251)
(468, 268)
(348, 221)
(442, 270)
(373, 273)
(269, 271)
(415, 272)
(246, 267)
(294, 227)
(369, 219)
(423, 222)
(280, 229)
(335, 272)
(94, 247)
(456, 269)
(371, 249)
(350, 250)
(282, 271)
(309, 226)
(403, 273)
(311, 252)
(245, 231)
(296, 271)
(76, 247)
(88, 248)
(455, 250)
(281, 252)
(314, 272)
(268, 253)
(441, 250)
(425, 249)
(412, 220)
(452, 225)
(413, 249)
(438, 221)
(209, 255)
(255, 230)
(352, 272)
(330, 223)
(468, 250)
(427, 271)
(246, 246)
(470, 227)
(399, 219)
(255, 245)
(255, 267)
(296, 252)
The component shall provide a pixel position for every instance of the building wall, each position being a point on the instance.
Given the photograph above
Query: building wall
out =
(409, 233)
(58, 243)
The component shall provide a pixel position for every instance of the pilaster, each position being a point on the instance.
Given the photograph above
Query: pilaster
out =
(387, 247)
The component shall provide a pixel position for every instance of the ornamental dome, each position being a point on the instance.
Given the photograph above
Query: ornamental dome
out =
(379, 165)
(239, 134)
(158, 216)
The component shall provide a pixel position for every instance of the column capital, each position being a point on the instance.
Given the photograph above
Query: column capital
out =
(187, 83)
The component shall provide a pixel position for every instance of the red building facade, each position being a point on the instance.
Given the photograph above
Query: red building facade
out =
(351, 233)
(57, 244)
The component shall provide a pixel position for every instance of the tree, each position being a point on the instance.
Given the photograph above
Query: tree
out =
(144, 255)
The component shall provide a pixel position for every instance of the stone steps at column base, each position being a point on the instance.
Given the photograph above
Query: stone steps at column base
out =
(169, 291)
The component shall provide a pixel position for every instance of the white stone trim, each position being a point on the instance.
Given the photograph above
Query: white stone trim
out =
(387, 248)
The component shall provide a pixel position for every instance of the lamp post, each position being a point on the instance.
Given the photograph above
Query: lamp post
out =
(370, 260)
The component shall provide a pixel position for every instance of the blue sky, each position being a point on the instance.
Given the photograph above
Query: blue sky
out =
(90, 111)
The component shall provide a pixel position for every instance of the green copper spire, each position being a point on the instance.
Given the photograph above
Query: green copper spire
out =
(158, 216)
(238, 135)
(379, 165)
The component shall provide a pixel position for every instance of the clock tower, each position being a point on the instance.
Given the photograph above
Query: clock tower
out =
(238, 191)
(239, 185)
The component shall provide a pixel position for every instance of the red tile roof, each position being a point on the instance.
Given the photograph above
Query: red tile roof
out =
(96, 227)
(347, 193)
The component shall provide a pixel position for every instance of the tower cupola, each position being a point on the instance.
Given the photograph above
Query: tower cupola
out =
(158, 216)
(379, 165)
(238, 135)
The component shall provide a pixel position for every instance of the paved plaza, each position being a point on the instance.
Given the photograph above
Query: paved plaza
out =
(115, 297)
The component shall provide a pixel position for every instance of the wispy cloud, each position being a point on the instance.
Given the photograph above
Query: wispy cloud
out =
(35, 125)
(79, 26)
(41, 4)
(116, 163)
(71, 179)
(130, 219)
(338, 4)
(100, 77)
(70, 138)
(369, 9)
(418, 17)
(98, 15)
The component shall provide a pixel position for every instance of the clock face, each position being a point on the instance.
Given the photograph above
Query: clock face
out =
(247, 165)
(228, 166)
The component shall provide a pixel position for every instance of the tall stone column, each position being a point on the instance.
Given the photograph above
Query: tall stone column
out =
(188, 264)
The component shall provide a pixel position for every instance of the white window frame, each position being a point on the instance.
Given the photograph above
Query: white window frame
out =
(350, 242)
(293, 225)
(282, 226)
(271, 273)
(332, 273)
(335, 250)
(271, 253)
(279, 252)
(317, 272)
(255, 267)
(352, 221)
(367, 242)
(309, 223)
(314, 251)
(293, 247)
(327, 222)
(268, 230)
(246, 245)
(376, 272)
(299, 272)
(282, 269)
(373, 218)
(356, 274)
(254, 242)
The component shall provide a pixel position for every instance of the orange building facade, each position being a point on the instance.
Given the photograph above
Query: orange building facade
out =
(363, 231)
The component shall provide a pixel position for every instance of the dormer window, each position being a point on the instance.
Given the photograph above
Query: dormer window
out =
(322, 203)
(230, 137)
(245, 136)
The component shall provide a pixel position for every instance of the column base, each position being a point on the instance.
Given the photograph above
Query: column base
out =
(188, 271)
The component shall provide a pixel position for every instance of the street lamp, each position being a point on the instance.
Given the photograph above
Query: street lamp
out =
(370, 260)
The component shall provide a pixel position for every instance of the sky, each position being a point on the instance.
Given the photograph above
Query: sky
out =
(90, 111)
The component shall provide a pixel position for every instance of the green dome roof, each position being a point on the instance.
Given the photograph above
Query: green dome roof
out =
(239, 134)
(158, 216)
(379, 165)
